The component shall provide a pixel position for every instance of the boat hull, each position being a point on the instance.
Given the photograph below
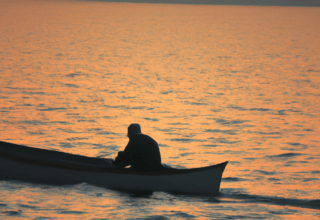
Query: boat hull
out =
(54, 171)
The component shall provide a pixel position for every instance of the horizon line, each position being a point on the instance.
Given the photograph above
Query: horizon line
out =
(284, 3)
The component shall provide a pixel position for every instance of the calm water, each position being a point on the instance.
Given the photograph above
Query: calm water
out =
(209, 83)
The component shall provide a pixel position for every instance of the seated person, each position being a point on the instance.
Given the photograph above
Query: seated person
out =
(142, 152)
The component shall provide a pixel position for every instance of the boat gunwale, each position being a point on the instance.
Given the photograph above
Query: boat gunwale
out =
(95, 168)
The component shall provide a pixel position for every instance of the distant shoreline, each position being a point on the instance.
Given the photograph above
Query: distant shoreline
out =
(306, 3)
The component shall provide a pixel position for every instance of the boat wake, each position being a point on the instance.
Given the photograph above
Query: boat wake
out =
(242, 197)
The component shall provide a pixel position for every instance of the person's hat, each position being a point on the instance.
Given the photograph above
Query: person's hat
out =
(134, 129)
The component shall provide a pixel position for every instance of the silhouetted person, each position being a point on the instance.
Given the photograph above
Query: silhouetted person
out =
(142, 152)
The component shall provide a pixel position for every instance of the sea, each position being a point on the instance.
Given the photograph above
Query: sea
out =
(210, 83)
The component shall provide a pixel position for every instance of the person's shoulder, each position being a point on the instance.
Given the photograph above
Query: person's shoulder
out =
(136, 136)
(149, 139)
(145, 136)
(141, 136)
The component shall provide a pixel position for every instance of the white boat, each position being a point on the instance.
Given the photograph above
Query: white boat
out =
(36, 165)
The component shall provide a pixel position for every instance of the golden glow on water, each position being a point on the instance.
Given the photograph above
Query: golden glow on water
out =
(209, 83)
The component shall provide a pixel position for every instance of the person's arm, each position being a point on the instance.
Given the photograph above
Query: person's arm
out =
(124, 158)
(129, 149)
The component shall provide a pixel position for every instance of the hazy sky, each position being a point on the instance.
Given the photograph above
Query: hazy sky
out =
(312, 3)
(230, 2)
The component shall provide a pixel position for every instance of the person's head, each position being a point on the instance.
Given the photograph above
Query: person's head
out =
(134, 129)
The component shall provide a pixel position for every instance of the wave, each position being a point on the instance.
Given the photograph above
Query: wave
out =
(233, 179)
(230, 132)
(285, 155)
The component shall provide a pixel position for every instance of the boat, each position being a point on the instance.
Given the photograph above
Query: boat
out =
(35, 165)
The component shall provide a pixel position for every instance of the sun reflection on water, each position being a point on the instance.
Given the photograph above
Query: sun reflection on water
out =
(208, 83)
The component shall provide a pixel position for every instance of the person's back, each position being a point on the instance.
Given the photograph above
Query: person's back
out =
(142, 152)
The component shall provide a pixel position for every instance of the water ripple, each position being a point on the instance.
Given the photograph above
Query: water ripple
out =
(229, 122)
(12, 213)
(285, 155)
(151, 119)
(188, 140)
(230, 132)
(223, 141)
(233, 179)
(66, 145)
(72, 212)
(52, 109)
